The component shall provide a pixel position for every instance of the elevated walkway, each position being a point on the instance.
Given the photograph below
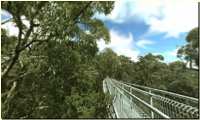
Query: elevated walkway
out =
(135, 101)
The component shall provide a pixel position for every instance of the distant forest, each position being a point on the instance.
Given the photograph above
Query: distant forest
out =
(54, 69)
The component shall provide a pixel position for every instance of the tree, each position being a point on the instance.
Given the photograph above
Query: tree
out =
(190, 51)
(53, 69)
(49, 68)
(107, 63)
(126, 69)
(53, 20)
(147, 67)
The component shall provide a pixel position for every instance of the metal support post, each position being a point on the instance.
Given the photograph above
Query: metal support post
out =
(151, 103)
(131, 99)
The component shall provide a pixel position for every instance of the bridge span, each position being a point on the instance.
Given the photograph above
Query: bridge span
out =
(135, 101)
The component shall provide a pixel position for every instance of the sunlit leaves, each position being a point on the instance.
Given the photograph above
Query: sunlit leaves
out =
(55, 78)
(190, 51)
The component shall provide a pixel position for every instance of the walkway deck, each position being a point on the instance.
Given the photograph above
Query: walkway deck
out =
(135, 101)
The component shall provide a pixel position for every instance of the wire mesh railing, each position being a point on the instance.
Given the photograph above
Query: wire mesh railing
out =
(134, 101)
(178, 97)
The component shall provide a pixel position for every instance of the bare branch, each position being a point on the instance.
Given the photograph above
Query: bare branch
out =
(30, 43)
(6, 21)
(17, 53)
(82, 11)
(19, 47)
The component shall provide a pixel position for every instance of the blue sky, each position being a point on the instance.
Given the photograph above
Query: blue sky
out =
(138, 27)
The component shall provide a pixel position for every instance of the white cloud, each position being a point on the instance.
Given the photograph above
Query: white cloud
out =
(178, 16)
(9, 26)
(12, 28)
(172, 17)
(173, 52)
(128, 9)
(25, 21)
(143, 43)
(119, 12)
(5, 14)
(169, 56)
(121, 44)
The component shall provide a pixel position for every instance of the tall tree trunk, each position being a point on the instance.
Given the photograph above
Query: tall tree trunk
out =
(10, 66)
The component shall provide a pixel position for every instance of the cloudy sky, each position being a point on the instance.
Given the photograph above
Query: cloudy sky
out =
(138, 27)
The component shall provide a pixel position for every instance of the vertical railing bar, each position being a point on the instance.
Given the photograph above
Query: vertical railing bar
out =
(151, 103)
(166, 92)
(131, 99)
(168, 106)
(143, 102)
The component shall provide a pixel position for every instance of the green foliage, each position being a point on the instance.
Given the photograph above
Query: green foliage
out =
(107, 63)
(150, 71)
(52, 69)
(48, 69)
(190, 51)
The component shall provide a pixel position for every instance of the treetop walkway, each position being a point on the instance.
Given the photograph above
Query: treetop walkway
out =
(136, 101)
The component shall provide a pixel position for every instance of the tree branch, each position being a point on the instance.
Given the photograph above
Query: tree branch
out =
(31, 42)
(9, 67)
(28, 33)
(79, 14)
(82, 11)
(18, 47)
(16, 56)
(32, 24)
(6, 21)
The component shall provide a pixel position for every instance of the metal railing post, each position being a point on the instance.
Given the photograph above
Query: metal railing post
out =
(151, 103)
(131, 99)
(120, 100)
(154, 102)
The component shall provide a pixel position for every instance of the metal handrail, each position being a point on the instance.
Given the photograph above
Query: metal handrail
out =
(165, 92)
(142, 101)
(161, 103)
(145, 92)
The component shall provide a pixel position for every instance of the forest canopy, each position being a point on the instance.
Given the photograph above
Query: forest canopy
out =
(54, 69)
